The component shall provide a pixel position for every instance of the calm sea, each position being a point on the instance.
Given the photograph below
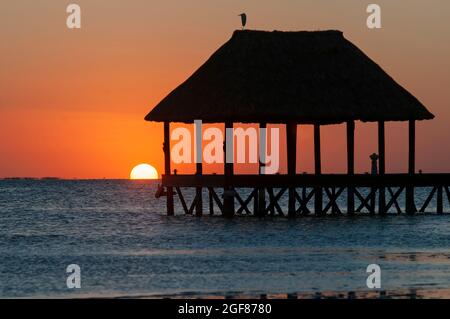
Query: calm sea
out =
(117, 232)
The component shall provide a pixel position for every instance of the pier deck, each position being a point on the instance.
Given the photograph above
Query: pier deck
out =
(338, 193)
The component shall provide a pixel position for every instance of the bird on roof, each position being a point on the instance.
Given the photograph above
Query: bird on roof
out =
(243, 19)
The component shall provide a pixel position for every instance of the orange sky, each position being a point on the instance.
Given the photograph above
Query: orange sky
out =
(72, 102)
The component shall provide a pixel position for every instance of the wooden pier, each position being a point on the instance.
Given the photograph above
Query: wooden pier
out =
(372, 194)
(297, 78)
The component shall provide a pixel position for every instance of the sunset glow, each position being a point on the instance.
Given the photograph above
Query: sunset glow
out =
(144, 171)
(88, 90)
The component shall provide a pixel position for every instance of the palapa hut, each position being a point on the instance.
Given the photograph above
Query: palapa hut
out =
(290, 78)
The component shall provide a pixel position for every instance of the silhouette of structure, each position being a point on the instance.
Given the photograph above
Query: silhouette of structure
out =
(296, 78)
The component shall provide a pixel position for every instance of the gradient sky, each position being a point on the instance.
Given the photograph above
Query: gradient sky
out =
(72, 102)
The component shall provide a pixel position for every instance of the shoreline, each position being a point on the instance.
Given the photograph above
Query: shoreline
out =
(404, 293)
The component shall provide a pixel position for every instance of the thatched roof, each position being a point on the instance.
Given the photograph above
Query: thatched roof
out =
(275, 77)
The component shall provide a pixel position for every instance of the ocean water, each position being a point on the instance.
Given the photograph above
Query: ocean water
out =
(118, 234)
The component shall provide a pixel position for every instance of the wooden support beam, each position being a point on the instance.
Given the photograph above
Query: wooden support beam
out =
(199, 202)
(228, 147)
(439, 200)
(428, 200)
(373, 194)
(317, 170)
(211, 202)
(381, 167)
(199, 170)
(291, 141)
(410, 206)
(304, 200)
(199, 193)
(447, 192)
(317, 156)
(166, 150)
(245, 203)
(181, 198)
(228, 192)
(333, 196)
(412, 147)
(255, 202)
(366, 202)
(261, 209)
(216, 198)
(351, 147)
(394, 199)
(381, 148)
(350, 165)
(308, 180)
(273, 204)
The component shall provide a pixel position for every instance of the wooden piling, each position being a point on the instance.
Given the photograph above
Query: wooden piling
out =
(199, 193)
(409, 195)
(228, 192)
(332, 184)
(291, 141)
(166, 149)
(199, 169)
(439, 200)
(261, 207)
(211, 202)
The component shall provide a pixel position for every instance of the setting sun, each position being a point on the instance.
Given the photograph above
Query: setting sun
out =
(144, 171)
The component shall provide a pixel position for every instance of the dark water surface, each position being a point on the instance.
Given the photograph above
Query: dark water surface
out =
(116, 231)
